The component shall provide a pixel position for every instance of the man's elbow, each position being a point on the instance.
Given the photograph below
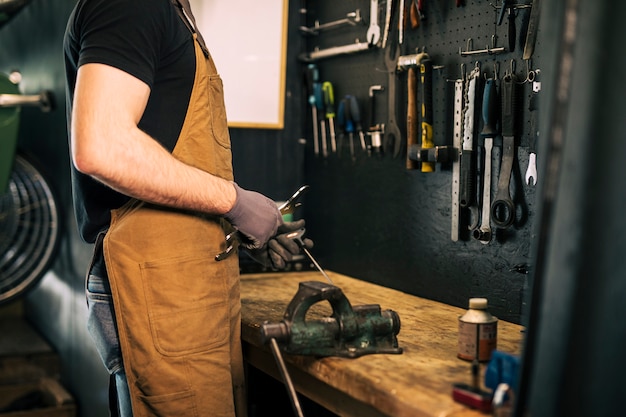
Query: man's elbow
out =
(85, 159)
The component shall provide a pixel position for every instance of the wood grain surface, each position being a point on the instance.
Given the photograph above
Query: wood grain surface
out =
(416, 383)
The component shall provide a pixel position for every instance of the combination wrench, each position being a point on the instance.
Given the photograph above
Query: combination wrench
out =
(392, 130)
(503, 208)
(373, 32)
(489, 131)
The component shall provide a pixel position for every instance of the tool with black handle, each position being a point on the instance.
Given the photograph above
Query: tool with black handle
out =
(426, 77)
(503, 208)
(468, 161)
(312, 78)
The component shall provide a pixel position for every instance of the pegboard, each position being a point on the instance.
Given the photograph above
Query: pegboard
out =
(395, 223)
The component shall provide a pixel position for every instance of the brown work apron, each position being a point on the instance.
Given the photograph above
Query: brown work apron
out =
(178, 310)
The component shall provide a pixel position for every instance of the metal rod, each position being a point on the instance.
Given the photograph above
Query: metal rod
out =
(351, 19)
(42, 100)
(291, 390)
(319, 268)
(337, 50)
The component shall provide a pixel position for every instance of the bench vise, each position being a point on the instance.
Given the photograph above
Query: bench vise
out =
(348, 332)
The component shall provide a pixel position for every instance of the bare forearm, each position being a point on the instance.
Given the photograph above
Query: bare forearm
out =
(142, 169)
(108, 145)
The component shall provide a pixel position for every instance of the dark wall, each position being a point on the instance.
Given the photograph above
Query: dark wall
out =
(374, 219)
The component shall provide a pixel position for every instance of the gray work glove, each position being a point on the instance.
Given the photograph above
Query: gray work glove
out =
(280, 249)
(255, 216)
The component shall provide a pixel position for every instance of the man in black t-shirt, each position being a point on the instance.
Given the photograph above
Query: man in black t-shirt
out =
(153, 189)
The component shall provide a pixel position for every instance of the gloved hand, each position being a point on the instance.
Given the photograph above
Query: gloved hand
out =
(255, 216)
(280, 249)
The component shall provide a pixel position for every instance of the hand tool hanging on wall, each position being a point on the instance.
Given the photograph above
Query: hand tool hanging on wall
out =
(468, 157)
(531, 171)
(401, 17)
(319, 103)
(393, 136)
(348, 332)
(412, 126)
(373, 32)
(456, 164)
(508, 5)
(531, 33)
(503, 208)
(468, 162)
(414, 14)
(355, 115)
(329, 103)
(426, 77)
(375, 130)
(489, 131)
(312, 78)
(388, 19)
(347, 124)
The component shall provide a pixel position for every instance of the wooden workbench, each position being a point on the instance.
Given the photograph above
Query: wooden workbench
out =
(416, 383)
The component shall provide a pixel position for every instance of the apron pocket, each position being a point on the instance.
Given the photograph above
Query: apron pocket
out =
(187, 304)
(182, 403)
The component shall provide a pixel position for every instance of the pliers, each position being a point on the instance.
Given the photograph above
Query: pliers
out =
(288, 207)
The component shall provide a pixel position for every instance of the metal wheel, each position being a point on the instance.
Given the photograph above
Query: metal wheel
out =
(29, 230)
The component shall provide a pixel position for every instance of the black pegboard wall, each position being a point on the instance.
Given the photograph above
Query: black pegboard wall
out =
(374, 219)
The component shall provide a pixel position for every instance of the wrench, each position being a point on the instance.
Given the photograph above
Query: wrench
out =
(483, 234)
(531, 172)
(489, 131)
(373, 32)
(503, 208)
(392, 131)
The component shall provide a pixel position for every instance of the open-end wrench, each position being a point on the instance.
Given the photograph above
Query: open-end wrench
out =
(503, 208)
(373, 32)
(489, 131)
(392, 130)
(531, 171)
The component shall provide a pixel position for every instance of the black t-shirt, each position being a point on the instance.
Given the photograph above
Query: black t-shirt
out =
(147, 39)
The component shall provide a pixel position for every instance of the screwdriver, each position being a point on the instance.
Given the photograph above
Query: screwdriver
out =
(329, 103)
(319, 103)
(355, 115)
(312, 78)
(346, 122)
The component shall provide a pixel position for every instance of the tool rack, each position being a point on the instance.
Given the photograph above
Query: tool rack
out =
(378, 196)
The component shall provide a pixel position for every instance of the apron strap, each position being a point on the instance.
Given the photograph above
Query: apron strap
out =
(184, 11)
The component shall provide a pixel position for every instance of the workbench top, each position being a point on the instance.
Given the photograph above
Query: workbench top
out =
(416, 383)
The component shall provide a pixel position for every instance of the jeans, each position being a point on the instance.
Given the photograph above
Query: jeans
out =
(102, 327)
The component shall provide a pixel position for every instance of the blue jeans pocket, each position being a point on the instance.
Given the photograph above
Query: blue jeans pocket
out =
(101, 323)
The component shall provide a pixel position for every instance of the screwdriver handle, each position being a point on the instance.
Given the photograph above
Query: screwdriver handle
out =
(490, 109)
(319, 99)
(329, 99)
(312, 77)
(509, 104)
(355, 113)
(347, 114)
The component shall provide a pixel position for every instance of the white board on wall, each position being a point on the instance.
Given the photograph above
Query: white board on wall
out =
(248, 42)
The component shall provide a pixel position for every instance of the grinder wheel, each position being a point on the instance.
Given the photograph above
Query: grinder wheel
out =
(29, 230)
